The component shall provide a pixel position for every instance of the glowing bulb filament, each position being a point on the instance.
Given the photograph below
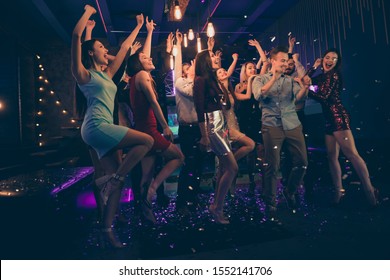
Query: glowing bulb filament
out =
(210, 30)
(185, 40)
(191, 35)
(177, 11)
(199, 44)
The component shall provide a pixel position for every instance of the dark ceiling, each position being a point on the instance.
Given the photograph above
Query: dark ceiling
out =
(40, 22)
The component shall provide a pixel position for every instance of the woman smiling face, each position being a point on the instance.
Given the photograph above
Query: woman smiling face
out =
(221, 74)
(146, 62)
(329, 61)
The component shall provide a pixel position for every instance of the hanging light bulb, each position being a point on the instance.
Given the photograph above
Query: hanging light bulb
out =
(185, 40)
(174, 50)
(210, 30)
(198, 43)
(191, 35)
(177, 12)
(171, 61)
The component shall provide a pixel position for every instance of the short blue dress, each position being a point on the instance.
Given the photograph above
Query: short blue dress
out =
(98, 129)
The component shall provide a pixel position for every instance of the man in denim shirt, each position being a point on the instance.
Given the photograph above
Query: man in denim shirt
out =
(277, 94)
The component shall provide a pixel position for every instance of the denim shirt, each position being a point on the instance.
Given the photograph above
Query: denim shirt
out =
(278, 104)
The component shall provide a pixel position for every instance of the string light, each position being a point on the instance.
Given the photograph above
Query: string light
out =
(177, 12)
(210, 30)
(198, 43)
(171, 61)
(191, 35)
(40, 122)
(185, 40)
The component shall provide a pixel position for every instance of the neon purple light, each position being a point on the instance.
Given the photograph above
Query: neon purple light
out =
(81, 174)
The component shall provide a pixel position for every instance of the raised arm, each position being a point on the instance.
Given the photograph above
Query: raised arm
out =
(232, 66)
(291, 44)
(210, 43)
(218, 55)
(88, 29)
(147, 50)
(120, 56)
(179, 56)
(78, 70)
(263, 56)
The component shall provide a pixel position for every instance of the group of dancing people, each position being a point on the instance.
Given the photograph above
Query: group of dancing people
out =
(205, 101)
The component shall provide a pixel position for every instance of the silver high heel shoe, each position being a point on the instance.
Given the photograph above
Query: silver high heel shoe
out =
(107, 185)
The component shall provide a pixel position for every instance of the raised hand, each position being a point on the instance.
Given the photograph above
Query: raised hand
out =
(90, 24)
(140, 19)
(90, 9)
(295, 57)
(135, 47)
(150, 25)
(235, 56)
(253, 43)
(169, 43)
(291, 43)
(179, 37)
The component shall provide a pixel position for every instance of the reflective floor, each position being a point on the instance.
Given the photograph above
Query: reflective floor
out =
(50, 214)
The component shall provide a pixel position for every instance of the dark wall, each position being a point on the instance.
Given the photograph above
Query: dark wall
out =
(9, 128)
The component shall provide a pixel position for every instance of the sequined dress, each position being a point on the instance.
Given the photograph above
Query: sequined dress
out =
(231, 120)
(328, 94)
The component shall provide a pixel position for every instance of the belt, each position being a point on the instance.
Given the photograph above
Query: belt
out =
(188, 124)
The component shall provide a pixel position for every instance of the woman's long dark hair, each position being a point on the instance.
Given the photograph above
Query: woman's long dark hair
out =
(86, 47)
(87, 61)
(134, 65)
(204, 69)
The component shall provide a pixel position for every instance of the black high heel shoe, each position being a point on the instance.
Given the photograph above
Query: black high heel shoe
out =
(109, 237)
(147, 212)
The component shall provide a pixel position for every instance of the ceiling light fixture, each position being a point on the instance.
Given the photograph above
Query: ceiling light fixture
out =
(185, 40)
(177, 12)
(210, 29)
(198, 43)
(191, 35)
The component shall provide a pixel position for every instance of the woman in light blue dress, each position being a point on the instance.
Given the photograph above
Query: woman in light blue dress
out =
(88, 61)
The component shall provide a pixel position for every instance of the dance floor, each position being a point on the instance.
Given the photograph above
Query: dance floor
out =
(50, 214)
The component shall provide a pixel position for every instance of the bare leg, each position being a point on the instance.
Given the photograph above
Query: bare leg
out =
(347, 143)
(141, 143)
(246, 145)
(229, 169)
(175, 160)
(333, 148)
